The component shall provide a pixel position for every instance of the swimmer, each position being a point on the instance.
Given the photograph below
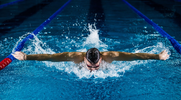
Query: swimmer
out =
(92, 58)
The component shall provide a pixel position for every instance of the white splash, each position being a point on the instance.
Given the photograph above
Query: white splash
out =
(93, 40)
(20, 39)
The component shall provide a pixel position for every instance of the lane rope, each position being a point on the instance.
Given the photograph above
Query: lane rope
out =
(20, 45)
(10, 3)
(174, 43)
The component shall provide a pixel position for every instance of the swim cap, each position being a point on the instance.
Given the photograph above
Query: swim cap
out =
(93, 55)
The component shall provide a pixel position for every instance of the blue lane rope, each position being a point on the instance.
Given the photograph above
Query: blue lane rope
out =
(174, 43)
(36, 31)
(10, 3)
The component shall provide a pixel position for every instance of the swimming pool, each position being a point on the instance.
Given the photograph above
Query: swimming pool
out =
(115, 28)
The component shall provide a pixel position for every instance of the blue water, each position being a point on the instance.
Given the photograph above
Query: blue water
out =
(78, 28)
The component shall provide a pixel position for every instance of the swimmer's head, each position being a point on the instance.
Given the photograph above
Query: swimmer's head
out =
(93, 55)
(93, 59)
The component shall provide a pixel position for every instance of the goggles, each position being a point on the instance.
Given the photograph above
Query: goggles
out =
(92, 67)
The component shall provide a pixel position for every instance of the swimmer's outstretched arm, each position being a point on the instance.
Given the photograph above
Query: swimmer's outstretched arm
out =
(77, 57)
(125, 56)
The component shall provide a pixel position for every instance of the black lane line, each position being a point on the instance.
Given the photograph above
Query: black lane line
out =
(10, 24)
(96, 15)
(165, 11)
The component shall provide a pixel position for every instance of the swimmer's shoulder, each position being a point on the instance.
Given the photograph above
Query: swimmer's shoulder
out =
(77, 57)
(73, 54)
(109, 55)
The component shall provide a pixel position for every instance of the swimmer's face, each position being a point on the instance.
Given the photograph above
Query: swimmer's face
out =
(91, 66)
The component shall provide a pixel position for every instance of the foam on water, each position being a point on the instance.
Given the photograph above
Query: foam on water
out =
(20, 39)
(93, 40)
(115, 69)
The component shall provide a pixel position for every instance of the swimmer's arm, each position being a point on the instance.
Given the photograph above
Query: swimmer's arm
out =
(77, 57)
(125, 56)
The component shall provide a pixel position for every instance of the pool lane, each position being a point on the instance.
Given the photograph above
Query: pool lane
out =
(96, 15)
(35, 80)
(165, 14)
(28, 19)
(10, 24)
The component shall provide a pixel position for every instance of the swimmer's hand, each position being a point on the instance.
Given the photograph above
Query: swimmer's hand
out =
(20, 55)
(163, 55)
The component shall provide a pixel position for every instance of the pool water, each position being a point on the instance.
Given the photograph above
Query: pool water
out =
(80, 26)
